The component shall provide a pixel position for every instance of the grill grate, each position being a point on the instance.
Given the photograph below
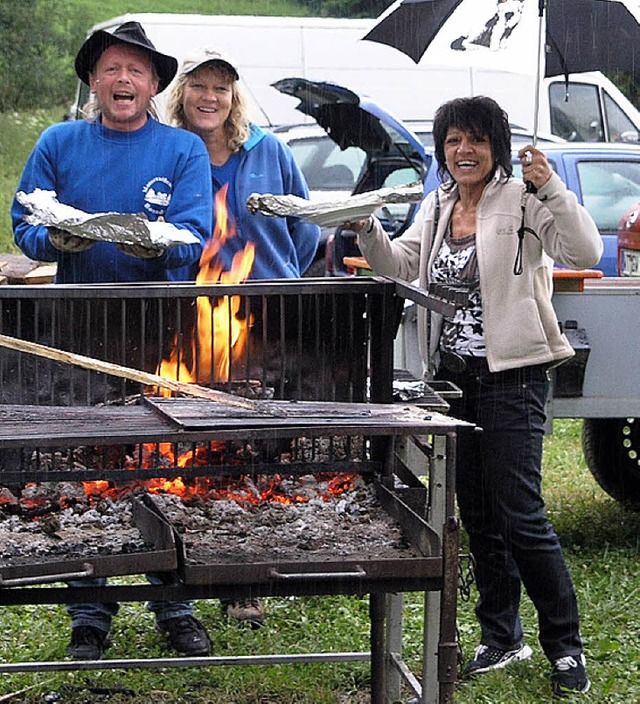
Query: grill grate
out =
(306, 341)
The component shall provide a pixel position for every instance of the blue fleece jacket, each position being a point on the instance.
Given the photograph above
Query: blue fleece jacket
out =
(285, 247)
(156, 170)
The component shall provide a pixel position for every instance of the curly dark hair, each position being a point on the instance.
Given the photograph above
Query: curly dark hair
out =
(481, 116)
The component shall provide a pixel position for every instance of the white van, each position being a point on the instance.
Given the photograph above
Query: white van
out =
(267, 49)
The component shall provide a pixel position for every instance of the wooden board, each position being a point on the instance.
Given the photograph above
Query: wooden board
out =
(200, 414)
(19, 269)
(43, 274)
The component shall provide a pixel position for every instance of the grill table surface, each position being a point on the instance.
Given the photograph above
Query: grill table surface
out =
(175, 420)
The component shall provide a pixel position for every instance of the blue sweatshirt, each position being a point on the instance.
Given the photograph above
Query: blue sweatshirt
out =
(285, 247)
(156, 170)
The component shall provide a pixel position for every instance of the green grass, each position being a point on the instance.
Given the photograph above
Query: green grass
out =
(96, 11)
(18, 135)
(601, 543)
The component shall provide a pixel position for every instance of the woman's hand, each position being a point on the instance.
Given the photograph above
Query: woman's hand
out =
(359, 225)
(535, 167)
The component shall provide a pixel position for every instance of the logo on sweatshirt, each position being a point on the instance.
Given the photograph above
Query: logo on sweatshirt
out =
(157, 195)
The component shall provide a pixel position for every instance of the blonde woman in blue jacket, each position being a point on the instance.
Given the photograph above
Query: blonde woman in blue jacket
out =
(208, 100)
(483, 230)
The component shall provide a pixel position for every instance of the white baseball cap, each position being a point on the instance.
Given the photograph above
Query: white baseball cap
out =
(204, 56)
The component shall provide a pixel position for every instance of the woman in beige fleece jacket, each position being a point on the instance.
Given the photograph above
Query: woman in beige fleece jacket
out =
(482, 230)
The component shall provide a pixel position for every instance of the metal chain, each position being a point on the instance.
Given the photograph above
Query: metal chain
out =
(466, 575)
(466, 578)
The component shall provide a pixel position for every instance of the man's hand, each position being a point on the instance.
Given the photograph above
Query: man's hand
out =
(66, 242)
(138, 250)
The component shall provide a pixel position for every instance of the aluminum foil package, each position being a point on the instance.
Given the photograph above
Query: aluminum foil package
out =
(123, 228)
(335, 212)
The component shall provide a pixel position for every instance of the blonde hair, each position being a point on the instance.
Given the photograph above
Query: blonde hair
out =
(237, 126)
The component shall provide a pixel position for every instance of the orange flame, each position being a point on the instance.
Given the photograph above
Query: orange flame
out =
(222, 332)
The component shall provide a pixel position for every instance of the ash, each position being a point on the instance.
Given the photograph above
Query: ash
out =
(351, 525)
(77, 531)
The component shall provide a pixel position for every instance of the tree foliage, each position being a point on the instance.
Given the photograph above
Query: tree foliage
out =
(348, 8)
(36, 60)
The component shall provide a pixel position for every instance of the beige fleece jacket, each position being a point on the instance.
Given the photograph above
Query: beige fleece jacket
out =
(520, 324)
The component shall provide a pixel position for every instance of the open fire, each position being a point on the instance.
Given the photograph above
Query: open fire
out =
(222, 331)
(217, 341)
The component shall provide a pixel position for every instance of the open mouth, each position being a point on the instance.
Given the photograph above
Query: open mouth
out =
(123, 97)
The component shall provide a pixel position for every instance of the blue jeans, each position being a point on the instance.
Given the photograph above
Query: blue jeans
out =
(99, 615)
(498, 485)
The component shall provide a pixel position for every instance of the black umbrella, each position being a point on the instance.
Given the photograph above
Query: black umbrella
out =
(581, 35)
(577, 35)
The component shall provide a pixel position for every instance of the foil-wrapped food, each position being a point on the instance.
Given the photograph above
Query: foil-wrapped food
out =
(122, 228)
(334, 212)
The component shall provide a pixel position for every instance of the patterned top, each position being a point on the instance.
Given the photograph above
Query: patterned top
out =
(456, 265)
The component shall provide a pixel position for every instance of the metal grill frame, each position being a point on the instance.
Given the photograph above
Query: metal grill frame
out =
(372, 308)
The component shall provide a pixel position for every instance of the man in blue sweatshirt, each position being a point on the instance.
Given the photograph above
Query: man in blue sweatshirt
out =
(122, 161)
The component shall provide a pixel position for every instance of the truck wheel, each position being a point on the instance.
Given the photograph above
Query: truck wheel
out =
(611, 447)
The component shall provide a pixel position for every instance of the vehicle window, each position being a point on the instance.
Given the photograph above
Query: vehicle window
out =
(609, 189)
(426, 138)
(578, 119)
(83, 97)
(393, 216)
(325, 166)
(621, 129)
(344, 164)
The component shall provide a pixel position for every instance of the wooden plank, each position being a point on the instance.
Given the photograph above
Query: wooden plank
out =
(44, 274)
(128, 373)
(16, 266)
(199, 414)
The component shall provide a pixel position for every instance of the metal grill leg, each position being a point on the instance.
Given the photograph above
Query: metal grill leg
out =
(395, 628)
(378, 659)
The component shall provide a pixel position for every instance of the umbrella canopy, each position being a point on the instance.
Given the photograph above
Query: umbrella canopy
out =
(579, 35)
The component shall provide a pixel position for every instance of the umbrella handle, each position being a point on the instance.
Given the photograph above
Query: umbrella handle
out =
(536, 108)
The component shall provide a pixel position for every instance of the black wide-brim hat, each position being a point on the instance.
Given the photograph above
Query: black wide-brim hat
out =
(130, 33)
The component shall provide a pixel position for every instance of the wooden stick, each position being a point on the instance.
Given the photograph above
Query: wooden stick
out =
(11, 695)
(98, 365)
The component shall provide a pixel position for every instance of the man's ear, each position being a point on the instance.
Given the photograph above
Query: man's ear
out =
(93, 81)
